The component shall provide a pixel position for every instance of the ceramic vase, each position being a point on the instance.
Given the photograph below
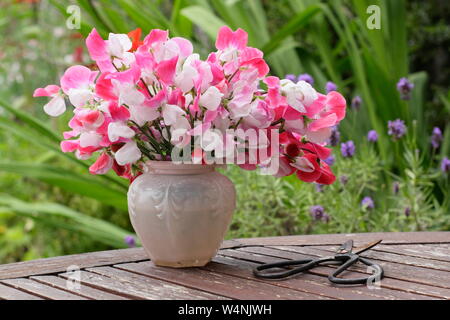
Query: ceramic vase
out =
(181, 212)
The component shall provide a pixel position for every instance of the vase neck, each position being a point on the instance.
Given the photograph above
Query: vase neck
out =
(168, 167)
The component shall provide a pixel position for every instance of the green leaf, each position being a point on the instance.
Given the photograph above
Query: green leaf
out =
(204, 18)
(31, 122)
(291, 27)
(69, 181)
(59, 216)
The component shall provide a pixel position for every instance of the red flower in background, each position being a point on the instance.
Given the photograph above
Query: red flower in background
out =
(135, 37)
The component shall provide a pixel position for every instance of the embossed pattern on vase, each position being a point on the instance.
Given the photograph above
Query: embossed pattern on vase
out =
(181, 219)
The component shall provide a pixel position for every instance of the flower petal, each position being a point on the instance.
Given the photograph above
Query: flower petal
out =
(55, 107)
(128, 153)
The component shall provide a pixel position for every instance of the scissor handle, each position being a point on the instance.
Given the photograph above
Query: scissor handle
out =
(306, 264)
(351, 259)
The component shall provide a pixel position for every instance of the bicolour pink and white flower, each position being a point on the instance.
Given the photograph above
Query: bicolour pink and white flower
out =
(153, 96)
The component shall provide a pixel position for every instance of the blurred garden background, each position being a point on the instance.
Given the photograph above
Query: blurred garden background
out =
(390, 153)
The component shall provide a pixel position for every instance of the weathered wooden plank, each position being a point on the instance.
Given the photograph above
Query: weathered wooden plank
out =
(225, 285)
(41, 290)
(82, 290)
(267, 255)
(8, 293)
(399, 258)
(337, 239)
(392, 269)
(103, 258)
(428, 251)
(311, 283)
(138, 287)
(60, 264)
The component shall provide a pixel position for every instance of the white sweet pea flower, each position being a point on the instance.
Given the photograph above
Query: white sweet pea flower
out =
(128, 94)
(298, 95)
(143, 114)
(90, 139)
(56, 106)
(129, 153)
(179, 135)
(186, 77)
(118, 130)
(171, 113)
(118, 45)
(79, 97)
(211, 98)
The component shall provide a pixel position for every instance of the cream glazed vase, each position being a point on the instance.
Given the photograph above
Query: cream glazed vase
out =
(181, 212)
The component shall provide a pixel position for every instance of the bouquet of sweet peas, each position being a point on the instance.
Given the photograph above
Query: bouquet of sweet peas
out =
(155, 99)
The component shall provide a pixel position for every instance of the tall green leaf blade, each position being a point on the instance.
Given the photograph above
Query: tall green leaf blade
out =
(204, 18)
(32, 122)
(59, 216)
(69, 181)
(292, 26)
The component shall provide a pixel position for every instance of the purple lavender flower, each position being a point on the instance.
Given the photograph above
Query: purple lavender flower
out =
(348, 149)
(396, 128)
(436, 138)
(319, 187)
(129, 240)
(330, 160)
(367, 203)
(343, 179)
(334, 137)
(396, 187)
(404, 86)
(307, 78)
(317, 212)
(356, 103)
(372, 136)
(291, 77)
(407, 211)
(445, 165)
(330, 86)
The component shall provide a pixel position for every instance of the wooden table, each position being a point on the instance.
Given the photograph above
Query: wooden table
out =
(417, 266)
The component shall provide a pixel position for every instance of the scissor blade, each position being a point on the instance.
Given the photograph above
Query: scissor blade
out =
(346, 247)
(366, 247)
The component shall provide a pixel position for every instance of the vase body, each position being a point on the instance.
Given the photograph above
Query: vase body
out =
(181, 212)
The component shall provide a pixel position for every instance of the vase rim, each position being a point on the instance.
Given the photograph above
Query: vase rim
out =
(173, 168)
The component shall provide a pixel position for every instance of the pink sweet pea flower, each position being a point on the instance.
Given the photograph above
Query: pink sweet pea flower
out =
(260, 116)
(56, 106)
(228, 39)
(112, 53)
(102, 165)
(77, 83)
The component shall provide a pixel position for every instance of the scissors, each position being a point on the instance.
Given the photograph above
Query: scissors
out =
(345, 257)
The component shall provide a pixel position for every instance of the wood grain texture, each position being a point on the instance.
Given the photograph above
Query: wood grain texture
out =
(316, 283)
(135, 286)
(337, 239)
(402, 271)
(9, 293)
(266, 255)
(416, 264)
(41, 290)
(232, 287)
(81, 289)
(60, 264)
